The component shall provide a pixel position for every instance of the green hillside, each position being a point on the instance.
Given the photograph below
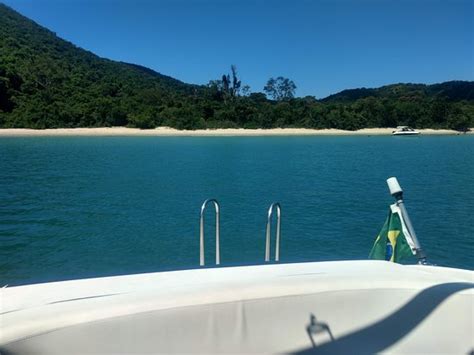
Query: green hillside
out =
(449, 91)
(47, 82)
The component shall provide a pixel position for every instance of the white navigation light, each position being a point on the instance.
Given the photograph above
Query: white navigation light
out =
(394, 186)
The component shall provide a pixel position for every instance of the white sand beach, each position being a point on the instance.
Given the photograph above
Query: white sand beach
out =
(167, 131)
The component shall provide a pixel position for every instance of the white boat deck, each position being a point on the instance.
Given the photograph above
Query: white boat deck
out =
(369, 306)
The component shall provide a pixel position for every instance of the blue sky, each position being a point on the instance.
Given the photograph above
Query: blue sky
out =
(324, 46)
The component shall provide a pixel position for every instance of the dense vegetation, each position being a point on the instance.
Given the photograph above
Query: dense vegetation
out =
(47, 82)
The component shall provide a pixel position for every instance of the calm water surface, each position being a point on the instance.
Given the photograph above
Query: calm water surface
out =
(76, 207)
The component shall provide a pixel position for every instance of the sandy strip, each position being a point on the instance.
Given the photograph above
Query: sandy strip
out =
(166, 131)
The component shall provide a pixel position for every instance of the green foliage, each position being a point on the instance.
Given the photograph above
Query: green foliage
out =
(183, 118)
(461, 117)
(229, 87)
(142, 120)
(46, 82)
(280, 89)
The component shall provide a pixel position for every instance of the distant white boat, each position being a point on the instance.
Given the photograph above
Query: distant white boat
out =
(405, 131)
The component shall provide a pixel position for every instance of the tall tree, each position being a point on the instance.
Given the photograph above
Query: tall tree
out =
(229, 86)
(235, 90)
(280, 89)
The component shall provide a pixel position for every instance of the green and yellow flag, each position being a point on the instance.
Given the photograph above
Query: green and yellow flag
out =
(394, 242)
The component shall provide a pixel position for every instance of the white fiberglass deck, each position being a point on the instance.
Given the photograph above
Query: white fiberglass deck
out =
(326, 307)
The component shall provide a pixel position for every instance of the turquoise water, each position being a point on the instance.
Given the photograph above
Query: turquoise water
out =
(75, 207)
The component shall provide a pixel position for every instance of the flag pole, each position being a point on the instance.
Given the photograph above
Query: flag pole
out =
(397, 192)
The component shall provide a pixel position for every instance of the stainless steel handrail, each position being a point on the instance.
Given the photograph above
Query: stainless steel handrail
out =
(201, 237)
(278, 228)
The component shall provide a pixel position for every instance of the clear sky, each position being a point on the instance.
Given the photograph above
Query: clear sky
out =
(324, 46)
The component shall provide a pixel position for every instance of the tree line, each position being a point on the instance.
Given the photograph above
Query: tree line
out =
(46, 82)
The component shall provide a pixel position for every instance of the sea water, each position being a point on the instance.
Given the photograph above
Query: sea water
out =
(75, 207)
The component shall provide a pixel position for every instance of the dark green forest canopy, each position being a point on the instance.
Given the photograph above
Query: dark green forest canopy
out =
(46, 82)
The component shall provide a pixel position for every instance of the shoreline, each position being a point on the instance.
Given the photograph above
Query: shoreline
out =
(222, 132)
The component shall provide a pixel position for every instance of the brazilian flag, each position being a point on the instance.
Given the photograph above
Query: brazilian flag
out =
(394, 241)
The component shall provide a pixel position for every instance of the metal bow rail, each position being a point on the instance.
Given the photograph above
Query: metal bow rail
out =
(201, 237)
(273, 206)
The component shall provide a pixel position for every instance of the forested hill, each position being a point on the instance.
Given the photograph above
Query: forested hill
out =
(451, 91)
(46, 82)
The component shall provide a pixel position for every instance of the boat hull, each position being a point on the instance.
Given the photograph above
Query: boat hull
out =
(355, 307)
(405, 133)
